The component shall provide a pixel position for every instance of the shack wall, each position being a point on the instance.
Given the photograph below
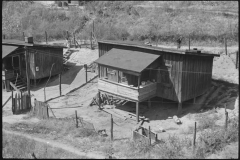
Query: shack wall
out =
(43, 58)
(170, 70)
(196, 76)
(171, 91)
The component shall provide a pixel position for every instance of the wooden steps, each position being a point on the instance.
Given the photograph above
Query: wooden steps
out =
(20, 85)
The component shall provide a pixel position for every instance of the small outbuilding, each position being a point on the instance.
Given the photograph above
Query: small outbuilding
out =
(138, 72)
(39, 58)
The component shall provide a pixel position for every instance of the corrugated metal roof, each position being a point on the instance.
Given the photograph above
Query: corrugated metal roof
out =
(127, 60)
(7, 50)
(144, 46)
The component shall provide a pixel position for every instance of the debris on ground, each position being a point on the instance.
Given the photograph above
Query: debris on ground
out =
(177, 120)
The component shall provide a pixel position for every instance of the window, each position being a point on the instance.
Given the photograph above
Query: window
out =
(128, 79)
(111, 71)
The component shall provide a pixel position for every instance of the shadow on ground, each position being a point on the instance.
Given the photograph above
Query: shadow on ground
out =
(68, 77)
(162, 110)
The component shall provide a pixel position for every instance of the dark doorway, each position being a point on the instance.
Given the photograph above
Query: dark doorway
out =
(15, 62)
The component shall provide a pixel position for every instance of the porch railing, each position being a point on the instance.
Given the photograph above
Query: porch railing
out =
(123, 90)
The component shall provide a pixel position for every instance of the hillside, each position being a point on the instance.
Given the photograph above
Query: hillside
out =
(205, 22)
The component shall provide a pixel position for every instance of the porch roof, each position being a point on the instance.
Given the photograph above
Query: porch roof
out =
(6, 50)
(134, 61)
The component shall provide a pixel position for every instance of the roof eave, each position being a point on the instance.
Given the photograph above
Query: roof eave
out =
(121, 69)
(159, 49)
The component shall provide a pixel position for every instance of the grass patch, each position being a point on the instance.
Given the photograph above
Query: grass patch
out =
(58, 127)
(209, 142)
(205, 121)
(14, 146)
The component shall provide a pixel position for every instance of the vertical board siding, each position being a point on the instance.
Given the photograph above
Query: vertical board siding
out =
(173, 92)
(44, 62)
(184, 85)
(195, 84)
(32, 72)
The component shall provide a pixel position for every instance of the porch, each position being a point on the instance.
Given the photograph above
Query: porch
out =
(136, 94)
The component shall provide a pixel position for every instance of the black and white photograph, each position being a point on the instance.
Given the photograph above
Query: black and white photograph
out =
(120, 79)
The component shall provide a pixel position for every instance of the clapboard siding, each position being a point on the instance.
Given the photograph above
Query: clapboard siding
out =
(196, 77)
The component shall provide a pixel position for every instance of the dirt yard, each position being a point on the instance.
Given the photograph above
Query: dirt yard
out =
(225, 91)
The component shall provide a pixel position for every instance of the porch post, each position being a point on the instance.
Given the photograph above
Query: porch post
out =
(137, 103)
(137, 111)
(27, 73)
(179, 108)
(117, 76)
(139, 78)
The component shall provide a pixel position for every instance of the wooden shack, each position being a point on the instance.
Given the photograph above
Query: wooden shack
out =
(138, 72)
(39, 60)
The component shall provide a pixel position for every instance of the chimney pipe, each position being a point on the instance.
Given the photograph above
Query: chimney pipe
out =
(29, 40)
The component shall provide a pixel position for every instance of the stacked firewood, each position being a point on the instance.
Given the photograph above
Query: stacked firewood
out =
(107, 100)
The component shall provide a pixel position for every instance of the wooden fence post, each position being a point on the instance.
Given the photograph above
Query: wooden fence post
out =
(156, 137)
(225, 41)
(16, 104)
(12, 103)
(74, 39)
(85, 66)
(194, 135)
(60, 82)
(67, 35)
(93, 27)
(46, 37)
(226, 117)
(76, 119)
(91, 40)
(149, 135)
(111, 128)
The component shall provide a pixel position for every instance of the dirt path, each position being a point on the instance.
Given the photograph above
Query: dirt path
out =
(58, 145)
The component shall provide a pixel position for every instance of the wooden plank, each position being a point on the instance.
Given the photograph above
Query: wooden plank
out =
(117, 89)
(175, 74)
(24, 101)
(192, 77)
(187, 76)
(15, 104)
(15, 88)
(183, 78)
(7, 101)
(21, 101)
(180, 78)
